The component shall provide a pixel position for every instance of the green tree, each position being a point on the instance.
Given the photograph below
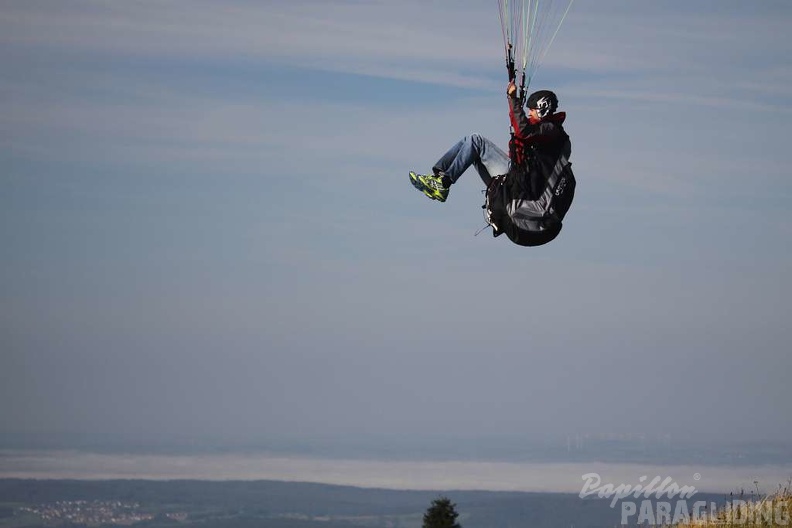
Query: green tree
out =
(441, 514)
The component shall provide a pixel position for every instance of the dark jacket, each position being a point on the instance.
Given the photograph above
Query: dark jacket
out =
(529, 203)
(536, 146)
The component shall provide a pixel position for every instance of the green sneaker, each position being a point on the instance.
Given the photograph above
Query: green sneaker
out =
(432, 186)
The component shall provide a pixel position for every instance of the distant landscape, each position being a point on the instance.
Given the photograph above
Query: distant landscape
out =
(154, 504)
(222, 486)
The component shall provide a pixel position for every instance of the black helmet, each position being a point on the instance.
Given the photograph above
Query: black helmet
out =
(544, 101)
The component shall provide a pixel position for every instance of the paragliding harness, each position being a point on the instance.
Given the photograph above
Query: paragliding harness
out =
(529, 221)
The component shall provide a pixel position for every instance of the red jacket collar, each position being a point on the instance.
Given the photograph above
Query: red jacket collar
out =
(557, 118)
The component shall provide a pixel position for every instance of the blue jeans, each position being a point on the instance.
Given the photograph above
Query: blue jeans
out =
(476, 150)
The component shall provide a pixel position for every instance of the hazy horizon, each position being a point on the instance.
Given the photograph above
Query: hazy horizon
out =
(382, 474)
(587, 448)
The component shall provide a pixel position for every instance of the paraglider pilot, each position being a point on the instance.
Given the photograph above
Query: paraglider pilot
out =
(530, 189)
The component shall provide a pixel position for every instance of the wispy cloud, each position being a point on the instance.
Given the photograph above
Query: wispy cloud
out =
(372, 37)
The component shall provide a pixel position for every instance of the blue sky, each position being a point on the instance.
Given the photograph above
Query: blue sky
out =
(208, 231)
